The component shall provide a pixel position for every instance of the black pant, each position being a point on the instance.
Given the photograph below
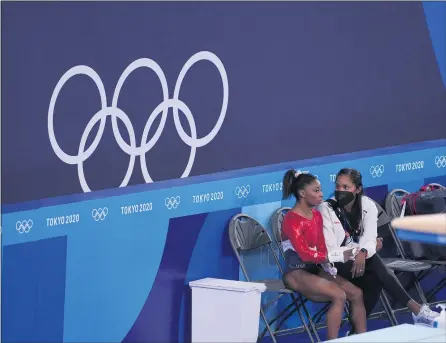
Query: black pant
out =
(376, 276)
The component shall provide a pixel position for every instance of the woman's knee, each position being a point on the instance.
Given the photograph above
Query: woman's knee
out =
(338, 296)
(289, 281)
(355, 295)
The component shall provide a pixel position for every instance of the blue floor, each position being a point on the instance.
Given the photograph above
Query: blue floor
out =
(373, 324)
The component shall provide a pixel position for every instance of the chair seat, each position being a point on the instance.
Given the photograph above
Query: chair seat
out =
(274, 285)
(434, 262)
(402, 265)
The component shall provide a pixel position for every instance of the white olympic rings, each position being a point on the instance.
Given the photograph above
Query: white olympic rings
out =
(440, 161)
(172, 202)
(99, 213)
(242, 191)
(24, 226)
(115, 112)
(377, 171)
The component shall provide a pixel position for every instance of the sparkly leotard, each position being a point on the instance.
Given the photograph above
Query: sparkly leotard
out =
(306, 237)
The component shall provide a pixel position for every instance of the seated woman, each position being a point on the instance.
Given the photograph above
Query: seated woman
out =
(350, 220)
(306, 255)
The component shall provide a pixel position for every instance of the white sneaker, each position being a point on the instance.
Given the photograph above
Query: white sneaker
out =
(425, 317)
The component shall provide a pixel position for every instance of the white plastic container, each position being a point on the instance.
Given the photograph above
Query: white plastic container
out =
(440, 321)
(225, 310)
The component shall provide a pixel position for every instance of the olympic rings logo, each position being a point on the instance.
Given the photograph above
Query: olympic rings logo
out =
(440, 161)
(115, 112)
(24, 226)
(377, 171)
(243, 191)
(172, 203)
(99, 214)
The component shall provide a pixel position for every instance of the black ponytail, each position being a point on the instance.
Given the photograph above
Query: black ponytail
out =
(288, 179)
(294, 181)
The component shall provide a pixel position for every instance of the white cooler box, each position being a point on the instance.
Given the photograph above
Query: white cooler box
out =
(225, 310)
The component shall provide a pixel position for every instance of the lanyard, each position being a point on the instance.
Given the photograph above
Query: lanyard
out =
(354, 234)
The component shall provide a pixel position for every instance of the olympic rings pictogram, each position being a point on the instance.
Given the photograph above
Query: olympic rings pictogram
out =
(115, 112)
(243, 191)
(99, 213)
(24, 226)
(172, 203)
(377, 171)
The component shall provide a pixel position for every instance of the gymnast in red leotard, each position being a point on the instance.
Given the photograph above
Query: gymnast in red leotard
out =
(310, 268)
(304, 235)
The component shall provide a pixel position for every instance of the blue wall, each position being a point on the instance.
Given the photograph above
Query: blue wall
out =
(123, 276)
(305, 80)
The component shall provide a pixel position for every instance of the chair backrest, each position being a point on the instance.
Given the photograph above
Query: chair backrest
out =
(385, 230)
(395, 208)
(436, 185)
(276, 222)
(383, 217)
(246, 233)
(393, 203)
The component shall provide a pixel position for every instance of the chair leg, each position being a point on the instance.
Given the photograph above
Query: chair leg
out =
(304, 322)
(415, 283)
(388, 309)
(421, 275)
(273, 336)
(440, 285)
(318, 316)
(286, 310)
(349, 317)
(420, 290)
(307, 314)
(298, 303)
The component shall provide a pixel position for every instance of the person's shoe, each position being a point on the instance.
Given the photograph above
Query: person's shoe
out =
(425, 317)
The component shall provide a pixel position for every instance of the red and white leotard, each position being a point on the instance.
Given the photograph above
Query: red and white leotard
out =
(306, 236)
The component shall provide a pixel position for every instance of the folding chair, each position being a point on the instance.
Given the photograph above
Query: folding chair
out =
(394, 201)
(400, 264)
(247, 235)
(395, 208)
(276, 221)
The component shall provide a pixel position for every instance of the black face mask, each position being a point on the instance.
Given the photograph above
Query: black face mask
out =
(344, 198)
